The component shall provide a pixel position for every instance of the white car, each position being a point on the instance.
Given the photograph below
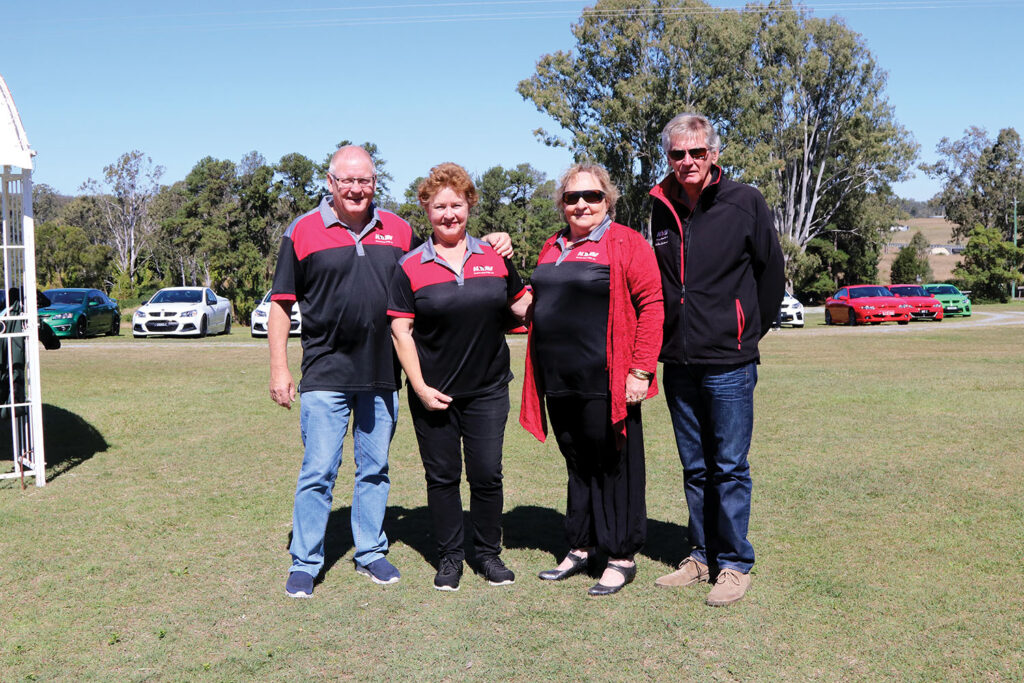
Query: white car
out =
(791, 312)
(183, 311)
(262, 313)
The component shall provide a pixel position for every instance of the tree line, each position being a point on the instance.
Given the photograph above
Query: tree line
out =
(799, 101)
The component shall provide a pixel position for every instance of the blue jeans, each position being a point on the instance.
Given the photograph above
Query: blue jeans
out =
(712, 409)
(324, 419)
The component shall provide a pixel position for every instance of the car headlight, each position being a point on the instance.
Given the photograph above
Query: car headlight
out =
(62, 316)
(140, 314)
(188, 314)
(259, 314)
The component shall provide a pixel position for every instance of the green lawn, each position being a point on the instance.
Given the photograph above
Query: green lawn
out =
(887, 520)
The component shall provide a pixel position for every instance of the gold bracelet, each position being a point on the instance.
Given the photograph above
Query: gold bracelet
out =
(641, 374)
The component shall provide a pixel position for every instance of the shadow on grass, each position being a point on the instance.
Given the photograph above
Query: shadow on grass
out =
(524, 527)
(68, 440)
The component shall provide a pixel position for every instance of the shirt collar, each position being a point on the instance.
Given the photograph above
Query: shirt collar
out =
(474, 245)
(331, 219)
(595, 235)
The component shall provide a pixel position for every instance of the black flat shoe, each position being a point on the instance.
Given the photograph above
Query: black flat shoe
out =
(579, 564)
(600, 589)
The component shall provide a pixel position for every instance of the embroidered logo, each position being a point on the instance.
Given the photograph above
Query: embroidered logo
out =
(587, 255)
(381, 237)
(661, 238)
(483, 269)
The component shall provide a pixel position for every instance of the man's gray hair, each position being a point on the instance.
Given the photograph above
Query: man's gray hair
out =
(690, 124)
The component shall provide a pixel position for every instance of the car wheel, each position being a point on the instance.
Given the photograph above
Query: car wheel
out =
(902, 322)
(227, 325)
(115, 327)
(202, 327)
(852, 319)
(828, 317)
(81, 329)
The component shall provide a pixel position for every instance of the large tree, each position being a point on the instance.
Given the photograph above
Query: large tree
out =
(981, 178)
(990, 264)
(124, 196)
(911, 264)
(799, 101)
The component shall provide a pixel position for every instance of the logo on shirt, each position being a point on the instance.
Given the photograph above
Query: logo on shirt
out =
(381, 237)
(483, 269)
(661, 238)
(587, 255)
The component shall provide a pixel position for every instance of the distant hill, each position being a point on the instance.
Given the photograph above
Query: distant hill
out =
(936, 231)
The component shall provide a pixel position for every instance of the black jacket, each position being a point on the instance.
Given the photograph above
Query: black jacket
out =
(722, 271)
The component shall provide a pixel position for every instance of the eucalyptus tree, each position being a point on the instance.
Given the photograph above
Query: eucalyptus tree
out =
(799, 101)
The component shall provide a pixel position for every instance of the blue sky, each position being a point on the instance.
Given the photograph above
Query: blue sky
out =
(426, 80)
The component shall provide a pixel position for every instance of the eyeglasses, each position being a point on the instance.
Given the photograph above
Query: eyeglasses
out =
(589, 196)
(349, 182)
(697, 154)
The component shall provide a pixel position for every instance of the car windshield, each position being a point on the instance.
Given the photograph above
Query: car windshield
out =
(909, 290)
(943, 289)
(266, 299)
(178, 296)
(864, 292)
(61, 296)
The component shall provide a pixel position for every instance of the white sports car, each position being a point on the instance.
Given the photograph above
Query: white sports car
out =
(183, 311)
(791, 312)
(262, 313)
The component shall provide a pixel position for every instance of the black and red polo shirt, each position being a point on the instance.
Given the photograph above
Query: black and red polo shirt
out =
(571, 296)
(459, 315)
(340, 280)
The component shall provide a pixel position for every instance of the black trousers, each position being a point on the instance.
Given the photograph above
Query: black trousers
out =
(606, 504)
(475, 426)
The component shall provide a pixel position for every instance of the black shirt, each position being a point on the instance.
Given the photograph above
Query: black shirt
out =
(572, 293)
(340, 280)
(459, 316)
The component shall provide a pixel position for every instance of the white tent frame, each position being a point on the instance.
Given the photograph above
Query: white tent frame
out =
(19, 318)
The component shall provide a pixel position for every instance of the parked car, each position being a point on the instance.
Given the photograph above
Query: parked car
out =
(80, 312)
(954, 302)
(925, 306)
(262, 313)
(860, 304)
(183, 311)
(791, 312)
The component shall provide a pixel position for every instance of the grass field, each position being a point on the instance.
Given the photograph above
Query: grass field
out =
(887, 520)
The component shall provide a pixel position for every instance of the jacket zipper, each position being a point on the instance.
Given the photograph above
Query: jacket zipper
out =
(741, 321)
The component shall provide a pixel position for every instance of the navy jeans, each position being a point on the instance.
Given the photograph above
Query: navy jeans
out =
(712, 409)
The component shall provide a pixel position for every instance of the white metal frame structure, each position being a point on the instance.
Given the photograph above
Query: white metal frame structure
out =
(20, 396)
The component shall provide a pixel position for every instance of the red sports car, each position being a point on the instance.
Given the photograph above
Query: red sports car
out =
(925, 306)
(860, 304)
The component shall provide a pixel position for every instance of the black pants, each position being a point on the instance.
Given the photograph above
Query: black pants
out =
(606, 504)
(475, 425)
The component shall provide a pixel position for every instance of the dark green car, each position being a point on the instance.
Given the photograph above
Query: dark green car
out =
(954, 302)
(80, 313)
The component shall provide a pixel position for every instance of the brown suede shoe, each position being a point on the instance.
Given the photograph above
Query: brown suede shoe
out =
(690, 571)
(729, 587)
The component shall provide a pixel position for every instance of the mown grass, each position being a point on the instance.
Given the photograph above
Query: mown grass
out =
(887, 521)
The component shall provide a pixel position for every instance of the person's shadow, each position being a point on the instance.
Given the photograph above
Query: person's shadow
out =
(524, 527)
(68, 440)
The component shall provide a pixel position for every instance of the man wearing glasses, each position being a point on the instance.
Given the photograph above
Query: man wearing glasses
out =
(722, 278)
(336, 263)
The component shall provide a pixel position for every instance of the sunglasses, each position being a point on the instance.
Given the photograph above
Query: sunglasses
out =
(697, 154)
(589, 196)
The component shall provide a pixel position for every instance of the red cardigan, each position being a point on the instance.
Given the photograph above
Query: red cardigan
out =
(635, 317)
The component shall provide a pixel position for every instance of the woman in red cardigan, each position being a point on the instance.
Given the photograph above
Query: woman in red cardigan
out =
(592, 354)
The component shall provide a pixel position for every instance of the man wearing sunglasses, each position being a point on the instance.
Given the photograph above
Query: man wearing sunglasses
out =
(722, 279)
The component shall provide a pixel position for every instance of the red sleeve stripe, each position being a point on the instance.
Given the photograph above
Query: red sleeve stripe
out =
(282, 297)
(400, 314)
(520, 295)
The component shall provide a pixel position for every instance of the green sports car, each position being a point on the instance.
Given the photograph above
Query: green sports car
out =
(954, 302)
(80, 313)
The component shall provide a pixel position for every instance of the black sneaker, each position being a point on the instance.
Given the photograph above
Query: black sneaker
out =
(496, 573)
(448, 574)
